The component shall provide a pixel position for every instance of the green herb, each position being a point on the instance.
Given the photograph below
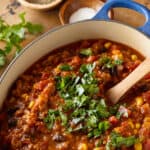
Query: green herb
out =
(92, 121)
(54, 115)
(80, 89)
(118, 62)
(65, 67)
(87, 68)
(75, 86)
(107, 62)
(86, 52)
(114, 109)
(13, 35)
(116, 141)
(98, 130)
(118, 110)
(63, 118)
(103, 126)
(85, 112)
(51, 118)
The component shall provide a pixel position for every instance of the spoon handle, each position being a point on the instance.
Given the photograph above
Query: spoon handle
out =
(115, 93)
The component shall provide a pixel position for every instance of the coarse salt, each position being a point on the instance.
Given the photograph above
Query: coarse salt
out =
(82, 14)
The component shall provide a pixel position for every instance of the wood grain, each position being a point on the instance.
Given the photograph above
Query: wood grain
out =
(48, 19)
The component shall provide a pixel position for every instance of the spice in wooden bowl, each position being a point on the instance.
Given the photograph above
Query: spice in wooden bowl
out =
(40, 4)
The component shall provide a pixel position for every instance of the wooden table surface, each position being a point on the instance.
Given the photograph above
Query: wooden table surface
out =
(9, 10)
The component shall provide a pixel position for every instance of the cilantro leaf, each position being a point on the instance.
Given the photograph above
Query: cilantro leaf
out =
(22, 18)
(116, 141)
(87, 68)
(103, 126)
(80, 89)
(33, 28)
(106, 62)
(65, 67)
(118, 62)
(63, 118)
(51, 118)
(86, 52)
(114, 109)
(92, 121)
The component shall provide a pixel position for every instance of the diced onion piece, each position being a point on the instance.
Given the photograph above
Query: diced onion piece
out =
(123, 111)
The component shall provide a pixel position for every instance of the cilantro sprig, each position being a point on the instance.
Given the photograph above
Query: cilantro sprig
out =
(13, 35)
(116, 141)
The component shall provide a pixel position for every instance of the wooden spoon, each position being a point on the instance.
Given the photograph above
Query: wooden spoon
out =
(115, 93)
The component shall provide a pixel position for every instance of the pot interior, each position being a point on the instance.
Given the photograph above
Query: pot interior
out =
(67, 34)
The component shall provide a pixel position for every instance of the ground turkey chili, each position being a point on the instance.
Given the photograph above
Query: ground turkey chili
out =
(60, 103)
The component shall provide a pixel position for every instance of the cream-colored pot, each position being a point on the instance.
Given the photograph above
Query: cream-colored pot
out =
(68, 34)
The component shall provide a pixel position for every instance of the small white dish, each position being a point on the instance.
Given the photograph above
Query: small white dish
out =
(72, 6)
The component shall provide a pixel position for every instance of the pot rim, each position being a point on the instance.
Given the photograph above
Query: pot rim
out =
(56, 29)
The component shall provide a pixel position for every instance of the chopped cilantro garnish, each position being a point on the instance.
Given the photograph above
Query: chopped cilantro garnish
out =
(86, 52)
(116, 141)
(114, 109)
(85, 112)
(87, 68)
(63, 118)
(118, 62)
(103, 126)
(51, 118)
(107, 62)
(100, 129)
(53, 115)
(65, 67)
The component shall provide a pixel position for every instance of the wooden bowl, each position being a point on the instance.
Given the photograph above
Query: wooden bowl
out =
(70, 6)
(40, 4)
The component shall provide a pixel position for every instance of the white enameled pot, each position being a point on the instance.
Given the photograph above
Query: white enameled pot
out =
(91, 29)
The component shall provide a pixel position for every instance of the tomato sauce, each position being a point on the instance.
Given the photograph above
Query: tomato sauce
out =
(59, 103)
